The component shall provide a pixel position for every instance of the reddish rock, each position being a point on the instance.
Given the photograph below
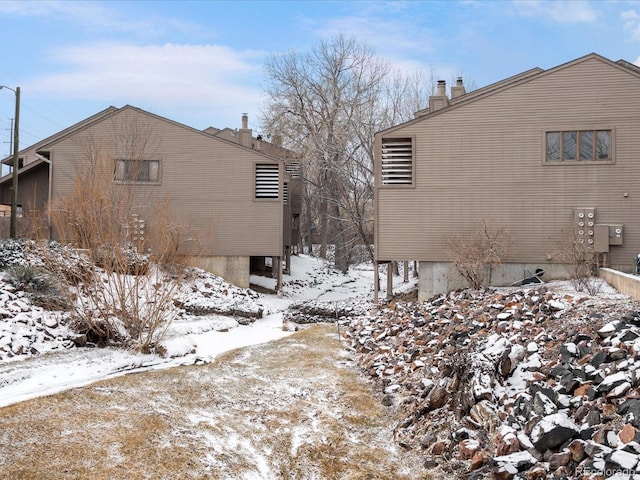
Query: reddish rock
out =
(478, 460)
(609, 409)
(577, 450)
(507, 444)
(627, 434)
(536, 473)
(468, 447)
(558, 460)
(500, 473)
(440, 447)
(582, 389)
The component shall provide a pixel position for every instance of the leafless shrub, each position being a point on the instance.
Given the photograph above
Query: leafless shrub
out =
(476, 254)
(582, 262)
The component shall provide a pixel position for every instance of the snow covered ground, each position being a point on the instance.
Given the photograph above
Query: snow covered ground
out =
(188, 340)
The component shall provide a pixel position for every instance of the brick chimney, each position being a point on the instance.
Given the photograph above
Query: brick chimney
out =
(440, 99)
(458, 90)
(245, 132)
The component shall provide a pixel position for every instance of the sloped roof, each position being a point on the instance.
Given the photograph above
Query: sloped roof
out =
(8, 178)
(513, 81)
(67, 131)
(111, 111)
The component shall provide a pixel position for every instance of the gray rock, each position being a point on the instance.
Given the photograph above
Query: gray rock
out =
(552, 431)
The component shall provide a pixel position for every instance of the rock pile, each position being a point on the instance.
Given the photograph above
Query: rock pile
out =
(506, 384)
(26, 329)
(314, 312)
(208, 294)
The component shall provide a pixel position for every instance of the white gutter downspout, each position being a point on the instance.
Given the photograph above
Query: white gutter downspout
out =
(49, 192)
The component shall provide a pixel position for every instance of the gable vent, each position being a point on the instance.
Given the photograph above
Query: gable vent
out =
(267, 181)
(293, 168)
(397, 161)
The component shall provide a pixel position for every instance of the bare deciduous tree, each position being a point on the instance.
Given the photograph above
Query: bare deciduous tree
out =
(327, 105)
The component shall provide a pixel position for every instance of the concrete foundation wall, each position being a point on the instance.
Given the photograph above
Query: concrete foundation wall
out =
(623, 282)
(233, 269)
(442, 277)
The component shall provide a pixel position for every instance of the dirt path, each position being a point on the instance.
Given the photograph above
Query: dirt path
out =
(296, 408)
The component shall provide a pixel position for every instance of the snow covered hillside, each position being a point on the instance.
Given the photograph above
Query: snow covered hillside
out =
(40, 355)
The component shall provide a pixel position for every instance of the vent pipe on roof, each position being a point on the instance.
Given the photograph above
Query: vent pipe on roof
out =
(245, 120)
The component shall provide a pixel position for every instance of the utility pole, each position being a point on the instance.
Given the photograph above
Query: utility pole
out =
(10, 142)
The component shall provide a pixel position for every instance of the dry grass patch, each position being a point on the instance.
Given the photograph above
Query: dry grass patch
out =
(292, 409)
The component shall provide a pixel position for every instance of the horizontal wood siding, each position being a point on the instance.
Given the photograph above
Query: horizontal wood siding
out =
(484, 161)
(208, 183)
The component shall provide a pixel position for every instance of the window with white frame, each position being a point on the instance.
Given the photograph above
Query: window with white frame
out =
(578, 145)
(267, 181)
(139, 171)
(396, 166)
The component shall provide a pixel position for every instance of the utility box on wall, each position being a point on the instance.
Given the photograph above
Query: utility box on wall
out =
(601, 238)
(584, 223)
(615, 234)
(607, 235)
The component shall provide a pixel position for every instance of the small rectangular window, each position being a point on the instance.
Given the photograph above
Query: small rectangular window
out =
(140, 171)
(586, 145)
(553, 146)
(267, 181)
(603, 145)
(397, 161)
(578, 145)
(569, 144)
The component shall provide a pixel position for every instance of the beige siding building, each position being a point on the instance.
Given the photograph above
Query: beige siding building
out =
(228, 197)
(546, 154)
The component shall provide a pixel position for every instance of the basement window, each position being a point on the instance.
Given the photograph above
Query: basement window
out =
(579, 146)
(396, 166)
(267, 181)
(138, 171)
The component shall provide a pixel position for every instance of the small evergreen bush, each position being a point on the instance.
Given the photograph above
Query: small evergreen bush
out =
(41, 286)
(12, 253)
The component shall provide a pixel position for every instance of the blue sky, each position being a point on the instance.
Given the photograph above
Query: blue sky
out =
(200, 62)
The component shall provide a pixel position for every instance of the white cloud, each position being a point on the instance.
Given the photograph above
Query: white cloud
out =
(386, 35)
(631, 23)
(560, 11)
(97, 17)
(199, 78)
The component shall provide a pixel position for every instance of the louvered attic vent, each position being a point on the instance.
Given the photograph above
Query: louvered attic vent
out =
(285, 193)
(293, 168)
(267, 181)
(397, 161)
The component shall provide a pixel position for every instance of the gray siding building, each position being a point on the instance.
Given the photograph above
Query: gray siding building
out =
(228, 195)
(546, 153)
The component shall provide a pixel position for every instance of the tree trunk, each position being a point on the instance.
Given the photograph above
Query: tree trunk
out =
(341, 260)
(308, 222)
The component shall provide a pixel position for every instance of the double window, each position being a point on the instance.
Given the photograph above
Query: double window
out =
(578, 145)
(139, 171)
(396, 166)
